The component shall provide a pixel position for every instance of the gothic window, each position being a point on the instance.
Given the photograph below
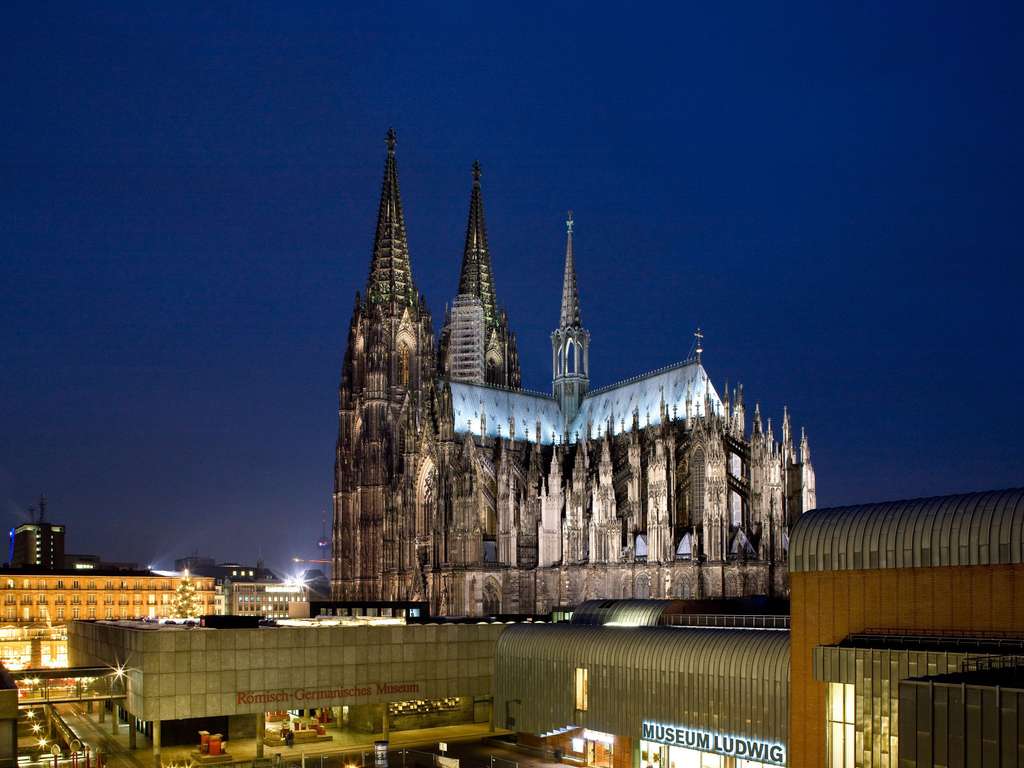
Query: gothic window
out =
(643, 587)
(570, 352)
(491, 598)
(685, 549)
(697, 487)
(681, 588)
(493, 374)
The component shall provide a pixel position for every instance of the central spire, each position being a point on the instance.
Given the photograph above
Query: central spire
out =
(570, 294)
(390, 271)
(476, 278)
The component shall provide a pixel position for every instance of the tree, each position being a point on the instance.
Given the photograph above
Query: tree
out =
(187, 602)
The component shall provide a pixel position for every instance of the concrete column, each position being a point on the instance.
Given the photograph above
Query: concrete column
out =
(103, 711)
(88, 706)
(384, 720)
(132, 731)
(156, 744)
(261, 732)
(113, 718)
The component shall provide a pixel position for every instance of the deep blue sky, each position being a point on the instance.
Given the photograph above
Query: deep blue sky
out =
(189, 195)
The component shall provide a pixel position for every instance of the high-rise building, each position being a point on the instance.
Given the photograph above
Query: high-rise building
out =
(483, 498)
(38, 543)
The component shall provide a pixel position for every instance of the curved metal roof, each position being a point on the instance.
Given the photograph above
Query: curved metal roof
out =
(728, 680)
(985, 528)
(627, 613)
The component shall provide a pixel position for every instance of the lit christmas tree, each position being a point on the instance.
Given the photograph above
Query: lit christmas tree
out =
(187, 602)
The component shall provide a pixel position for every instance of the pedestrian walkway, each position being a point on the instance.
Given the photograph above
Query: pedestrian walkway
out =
(343, 742)
(115, 747)
(100, 738)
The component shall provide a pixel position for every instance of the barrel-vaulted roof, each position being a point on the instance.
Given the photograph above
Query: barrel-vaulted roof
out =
(985, 528)
(732, 681)
(625, 613)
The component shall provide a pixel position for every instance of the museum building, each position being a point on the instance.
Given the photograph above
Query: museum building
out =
(623, 685)
(903, 646)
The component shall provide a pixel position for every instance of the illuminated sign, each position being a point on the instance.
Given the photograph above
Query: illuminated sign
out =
(319, 694)
(720, 743)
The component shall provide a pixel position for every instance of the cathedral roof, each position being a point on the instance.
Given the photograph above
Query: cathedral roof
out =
(499, 405)
(476, 277)
(677, 384)
(643, 394)
(390, 270)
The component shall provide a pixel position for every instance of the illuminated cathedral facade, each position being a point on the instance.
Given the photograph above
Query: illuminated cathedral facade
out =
(456, 486)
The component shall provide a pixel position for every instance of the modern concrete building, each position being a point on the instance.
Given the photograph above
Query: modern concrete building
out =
(354, 676)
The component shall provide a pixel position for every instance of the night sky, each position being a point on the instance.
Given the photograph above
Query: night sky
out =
(189, 198)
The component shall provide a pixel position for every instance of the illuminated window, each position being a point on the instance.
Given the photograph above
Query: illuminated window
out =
(582, 688)
(841, 716)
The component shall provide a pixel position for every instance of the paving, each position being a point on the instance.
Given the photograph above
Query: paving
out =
(408, 748)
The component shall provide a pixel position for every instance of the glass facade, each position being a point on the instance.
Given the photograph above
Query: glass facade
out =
(654, 755)
(840, 731)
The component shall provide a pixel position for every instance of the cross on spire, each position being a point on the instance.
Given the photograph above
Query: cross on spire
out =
(699, 336)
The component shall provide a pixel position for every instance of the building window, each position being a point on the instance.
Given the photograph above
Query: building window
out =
(582, 688)
(841, 716)
(75, 613)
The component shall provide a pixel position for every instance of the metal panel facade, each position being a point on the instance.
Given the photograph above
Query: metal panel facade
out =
(967, 529)
(725, 680)
(959, 726)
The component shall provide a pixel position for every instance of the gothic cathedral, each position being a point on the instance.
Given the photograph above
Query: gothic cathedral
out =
(454, 485)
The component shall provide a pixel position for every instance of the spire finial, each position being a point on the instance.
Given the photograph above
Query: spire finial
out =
(392, 140)
(476, 171)
(699, 336)
(568, 223)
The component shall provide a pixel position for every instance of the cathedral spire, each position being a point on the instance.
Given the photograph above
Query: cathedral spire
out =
(570, 343)
(570, 294)
(476, 278)
(390, 271)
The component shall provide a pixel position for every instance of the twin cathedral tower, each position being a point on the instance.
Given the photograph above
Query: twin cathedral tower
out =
(456, 486)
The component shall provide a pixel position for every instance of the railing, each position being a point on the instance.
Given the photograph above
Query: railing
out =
(727, 620)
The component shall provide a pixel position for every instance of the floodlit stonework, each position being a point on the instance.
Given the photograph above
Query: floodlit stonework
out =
(459, 487)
